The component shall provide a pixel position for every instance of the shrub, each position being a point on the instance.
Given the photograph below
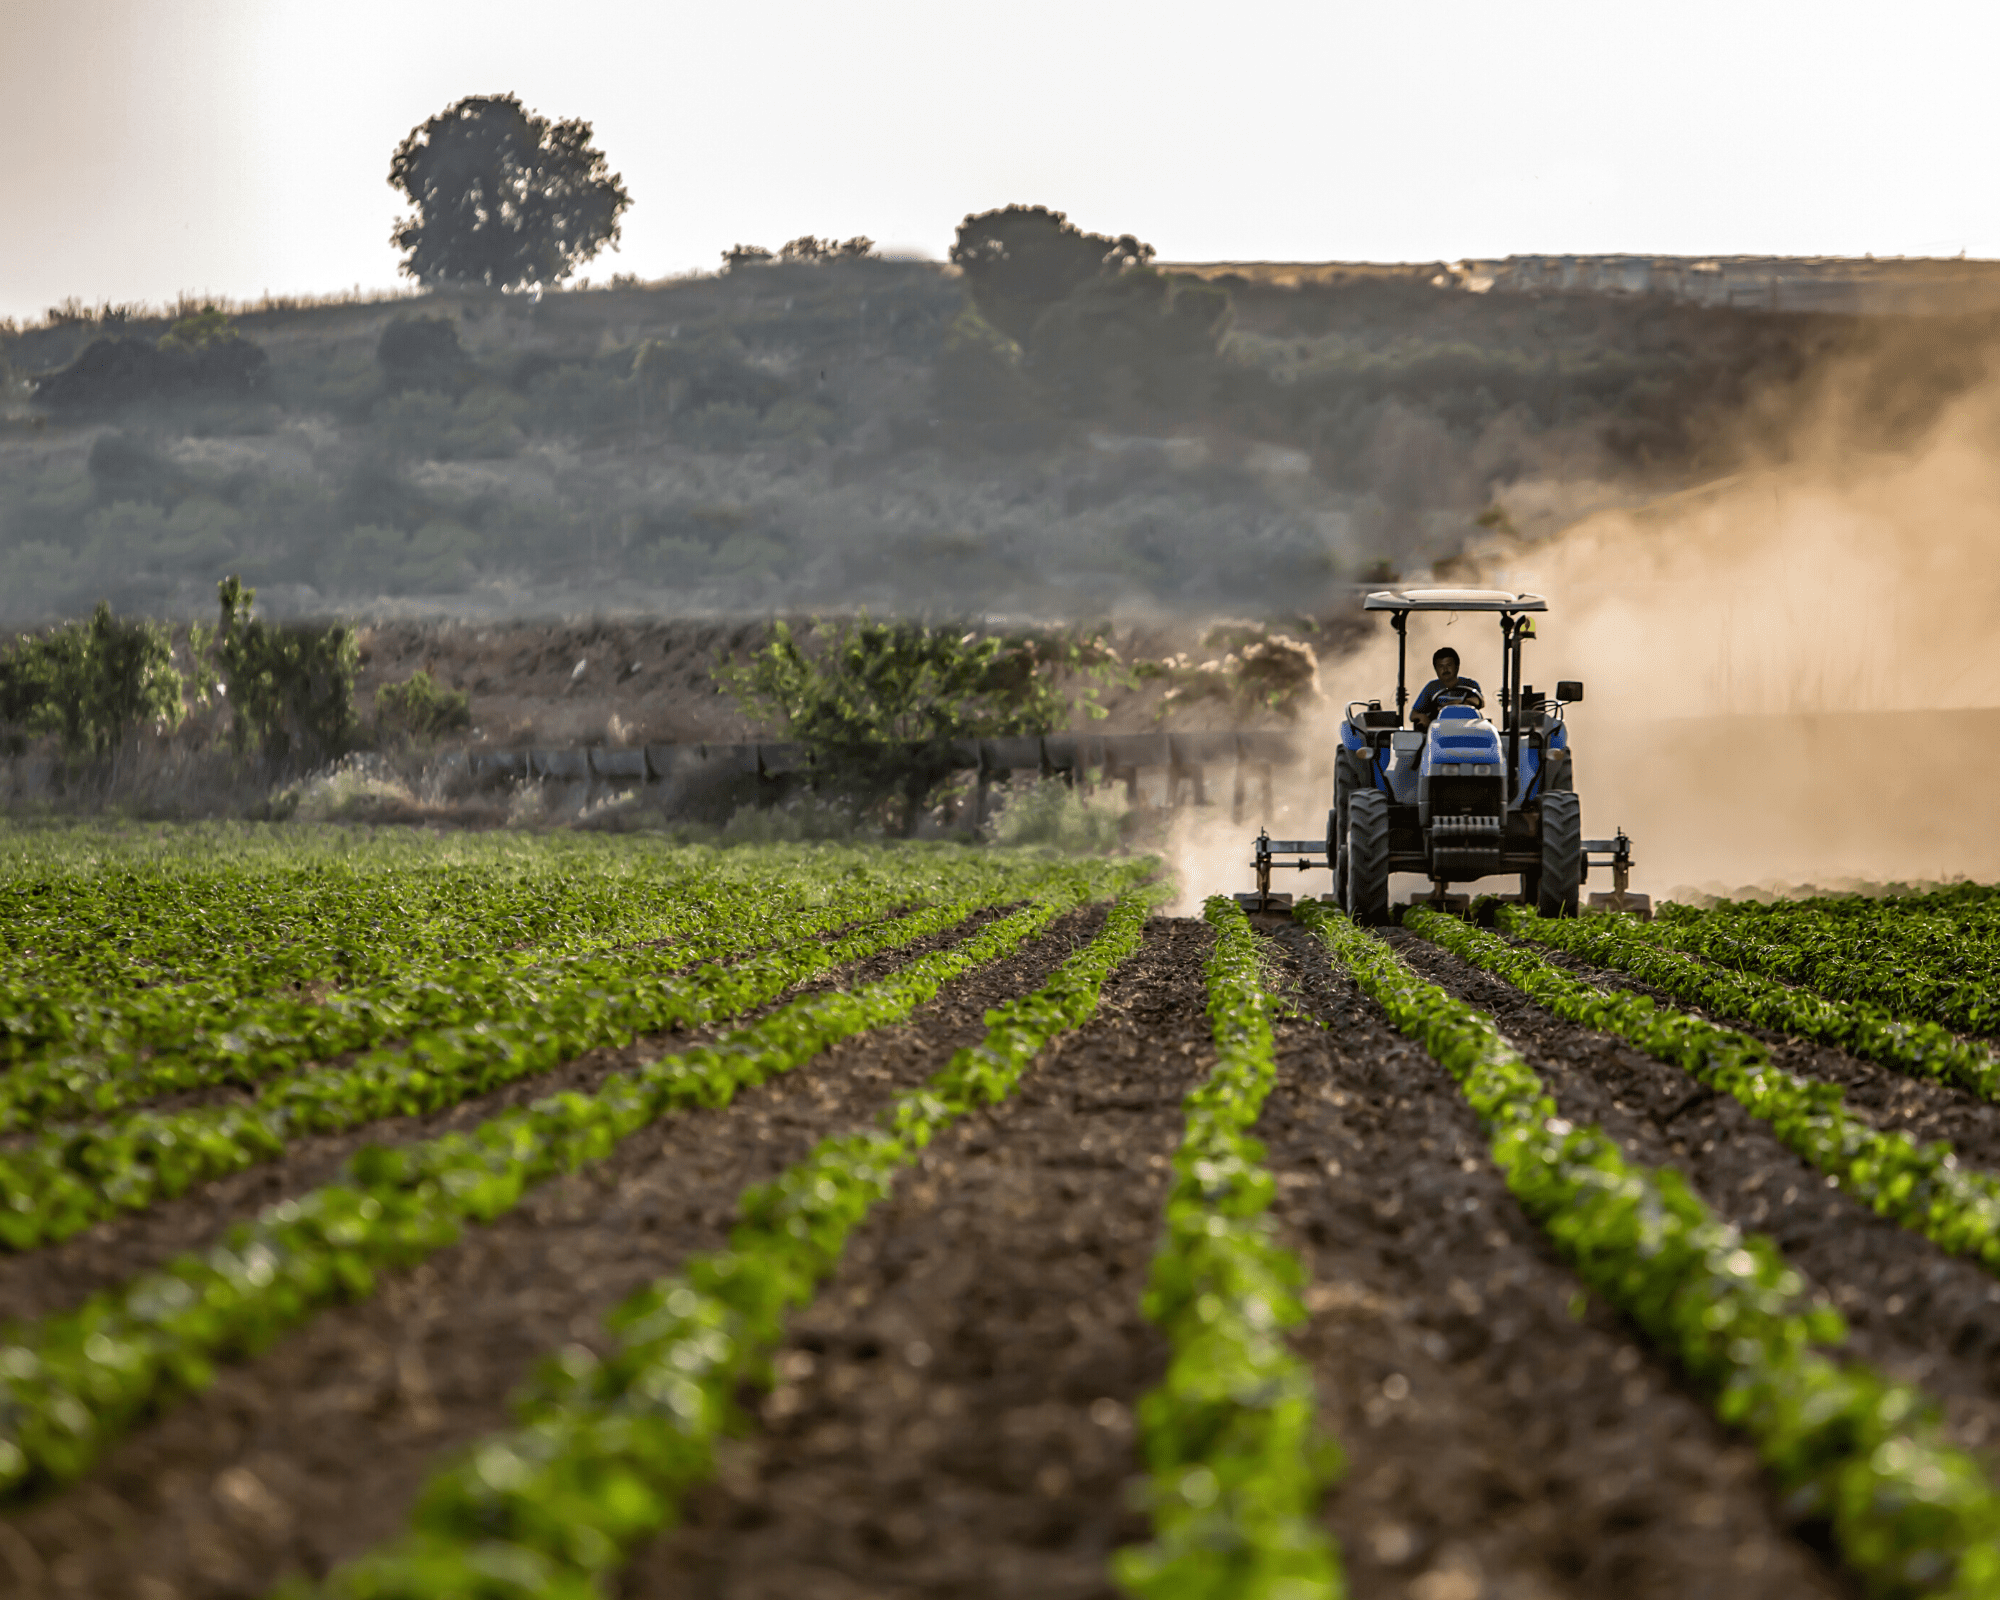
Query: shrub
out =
(290, 688)
(883, 705)
(420, 708)
(91, 684)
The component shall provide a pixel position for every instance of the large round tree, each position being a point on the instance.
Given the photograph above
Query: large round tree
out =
(503, 197)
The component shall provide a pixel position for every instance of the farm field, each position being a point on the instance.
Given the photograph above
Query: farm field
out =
(397, 1215)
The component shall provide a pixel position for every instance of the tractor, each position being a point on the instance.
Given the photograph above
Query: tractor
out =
(1461, 800)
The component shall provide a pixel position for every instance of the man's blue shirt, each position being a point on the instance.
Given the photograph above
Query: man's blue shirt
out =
(1429, 692)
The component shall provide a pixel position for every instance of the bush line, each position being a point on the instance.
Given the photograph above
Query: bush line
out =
(73, 1382)
(605, 1447)
(75, 1175)
(1922, 1049)
(1922, 1187)
(1235, 1459)
(1909, 1511)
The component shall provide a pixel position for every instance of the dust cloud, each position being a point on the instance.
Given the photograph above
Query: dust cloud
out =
(1789, 671)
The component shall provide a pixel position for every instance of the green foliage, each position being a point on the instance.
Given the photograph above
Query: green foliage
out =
(92, 684)
(1909, 1511)
(880, 705)
(1021, 260)
(1922, 958)
(1235, 1459)
(419, 708)
(978, 381)
(290, 688)
(484, 1029)
(70, 1384)
(1922, 1048)
(503, 197)
(605, 1447)
(811, 251)
(1921, 1187)
(203, 330)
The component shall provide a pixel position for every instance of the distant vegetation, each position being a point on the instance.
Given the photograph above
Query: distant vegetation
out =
(1053, 423)
(503, 197)
(282, 694)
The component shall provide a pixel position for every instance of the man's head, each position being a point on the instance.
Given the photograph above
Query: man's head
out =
(1444, 662)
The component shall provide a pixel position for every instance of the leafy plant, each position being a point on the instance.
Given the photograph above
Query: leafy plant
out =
(1919, 958)
(290, 688)
(92, 684)
(606, 1446)
(503, 197)
(1923, 1049)
(463, 1040)
(1235, 1461)
(72, 1383)
(883, 705)
(420, 708)
(1909, 1511)
(1922, 1187)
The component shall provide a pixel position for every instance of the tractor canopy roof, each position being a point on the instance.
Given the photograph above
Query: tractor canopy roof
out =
(1452, 600)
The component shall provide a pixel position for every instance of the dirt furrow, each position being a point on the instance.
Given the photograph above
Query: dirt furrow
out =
(1504, 1436)
(954, 1416)
(37, 1283)
(311, 1453)
(1915, 1312)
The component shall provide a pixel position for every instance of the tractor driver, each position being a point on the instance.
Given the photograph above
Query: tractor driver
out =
(1445, 663)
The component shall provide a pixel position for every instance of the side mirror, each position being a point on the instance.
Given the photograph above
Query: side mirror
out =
(1569, 690)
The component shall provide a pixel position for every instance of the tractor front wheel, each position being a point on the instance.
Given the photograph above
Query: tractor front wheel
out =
(1562, 854)
(1366, 858)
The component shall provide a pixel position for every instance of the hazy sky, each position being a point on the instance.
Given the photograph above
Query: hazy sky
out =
(235, 146)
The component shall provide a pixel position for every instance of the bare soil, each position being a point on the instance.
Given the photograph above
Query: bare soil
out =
(955, 1415)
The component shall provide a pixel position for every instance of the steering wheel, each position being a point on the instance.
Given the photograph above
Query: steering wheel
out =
(1455, 697)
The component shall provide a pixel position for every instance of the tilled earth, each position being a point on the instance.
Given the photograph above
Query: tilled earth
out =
(954, 1414)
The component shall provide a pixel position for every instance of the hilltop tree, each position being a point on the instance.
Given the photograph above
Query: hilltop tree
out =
(503, 197)
(1020, 261)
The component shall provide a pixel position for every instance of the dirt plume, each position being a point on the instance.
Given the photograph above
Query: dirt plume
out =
(1787, 669)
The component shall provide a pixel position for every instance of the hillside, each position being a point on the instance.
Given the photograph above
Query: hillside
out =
(794, 436)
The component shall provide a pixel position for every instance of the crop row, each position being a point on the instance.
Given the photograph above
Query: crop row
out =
(102, 1038)
(605, 1447)
(120, 1057)
(74, 1011)
(74, 1381)
(1922, 1049)
(75, 1175)
(1921, 1187)
(1920, 965)
(126, 925)
(1235, 1460)
(1908, 1511)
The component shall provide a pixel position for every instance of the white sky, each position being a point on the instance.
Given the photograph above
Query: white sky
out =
(238, 146)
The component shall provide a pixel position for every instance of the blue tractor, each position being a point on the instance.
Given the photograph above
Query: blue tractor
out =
(1464, 799)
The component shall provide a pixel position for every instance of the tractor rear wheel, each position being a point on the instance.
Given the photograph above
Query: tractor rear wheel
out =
(1367, 858)
(1562, 854)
